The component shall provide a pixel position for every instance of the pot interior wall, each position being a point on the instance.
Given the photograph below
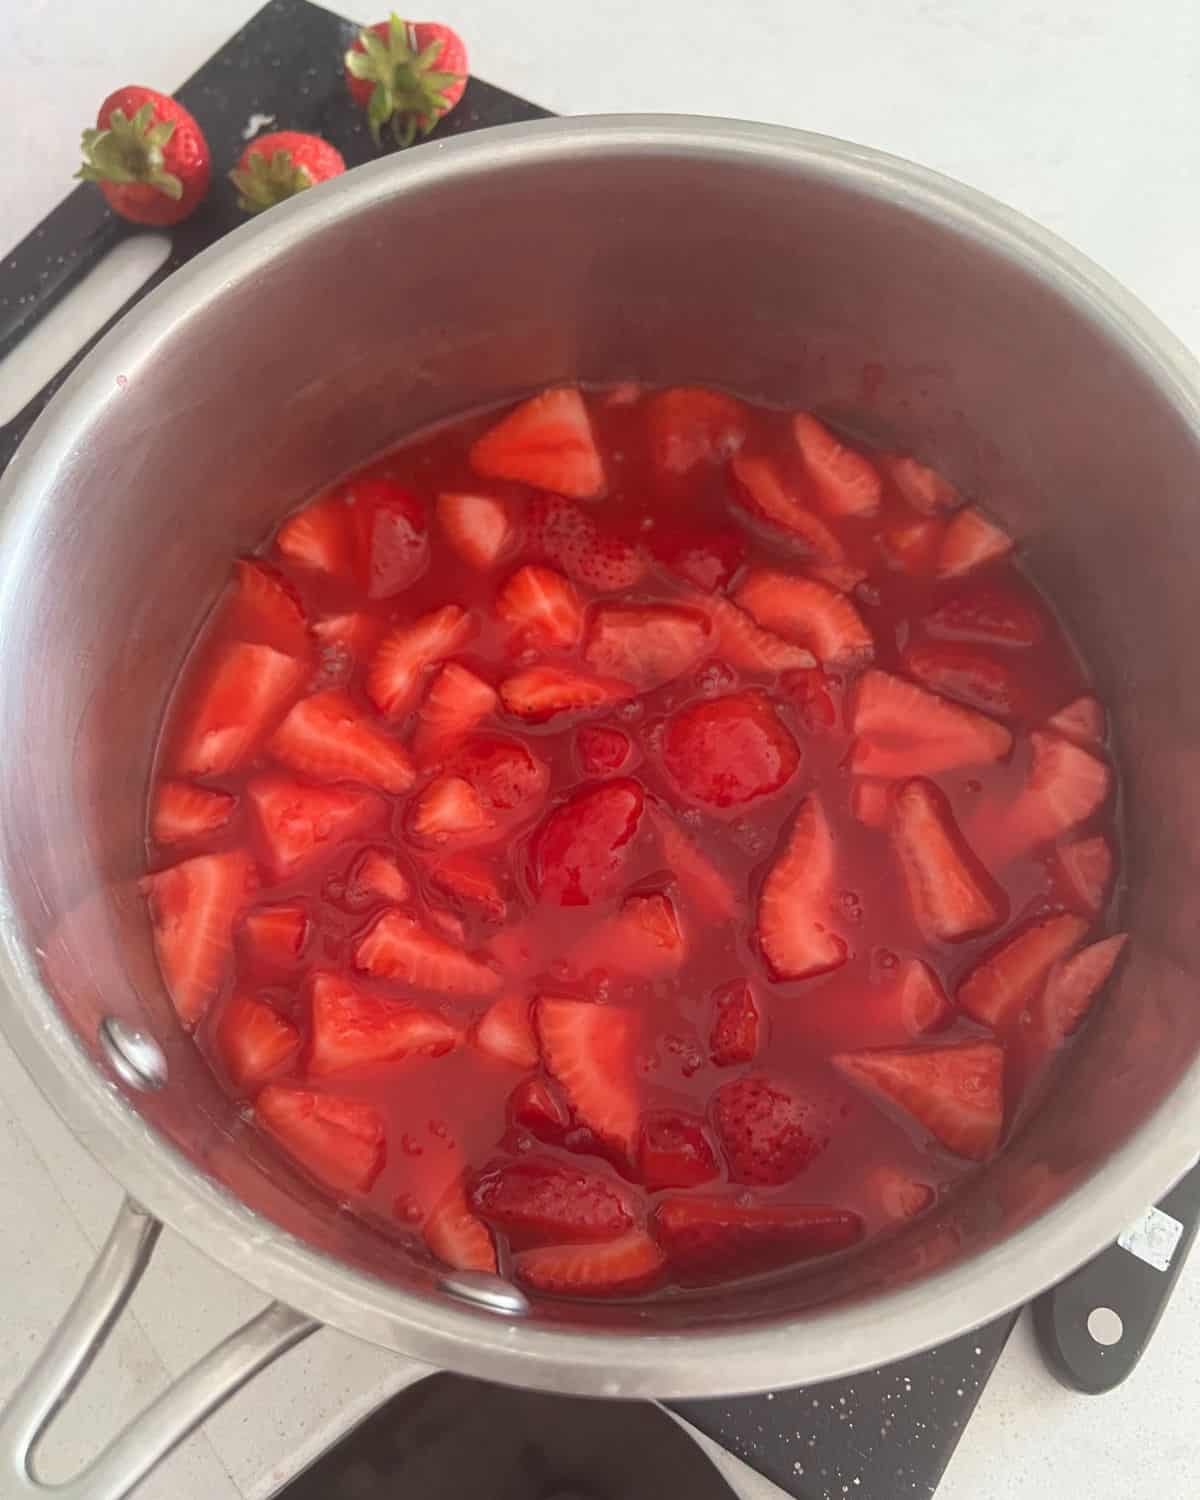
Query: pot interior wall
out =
(757, 273)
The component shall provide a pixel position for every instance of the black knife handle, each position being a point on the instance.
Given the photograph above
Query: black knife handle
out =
(1133, 1279)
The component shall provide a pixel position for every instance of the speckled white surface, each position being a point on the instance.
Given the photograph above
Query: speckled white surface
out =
(1084, 114)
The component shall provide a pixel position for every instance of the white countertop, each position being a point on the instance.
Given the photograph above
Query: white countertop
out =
(1085, 115)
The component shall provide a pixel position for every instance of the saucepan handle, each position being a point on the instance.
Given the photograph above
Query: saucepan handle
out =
(135, 1450)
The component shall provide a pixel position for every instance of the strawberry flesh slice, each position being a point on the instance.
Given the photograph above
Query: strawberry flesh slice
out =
(808, 612)
(797, 898)
(1065, 786)
(955, 1092)
(951, 894)
(184, 813)
(406, 653)
(329, 738)
(193, 906)
(1006, 981)
(1086, 867)
(1072, 987)
(319, 537)
(548, 442)
(350, 1029)
(764, 493)
(646, 645)
(898, 1196)
(254, 1041)
(375, 878)
(588, 1049)
(503, 771)
(846, 483)
(644, 940)
(690, 426)
(767, 1132)
(536, 1199)
(391, 531)
(675, 1152)
(736, 1026)
(267, 609)
(710, 891)
(340, 1141)
(724, 752)
(707, 559)
(709, 1237)
(630, 1264)
(964, 673)
(398, 947)
(541, 608)
(448, 808)
(533, 1107)
(1081, 720)
(300, 824)
(505, 1032)
(565, 536)
(600, 749)
(246, 692)
(456, 703)
(904, 730)
(579, 853)
(970, 540)
(744, 643)
(478, 527)
(542, 693)
(988, 614)
(456, 1235)
(276, 934)
(920, 486)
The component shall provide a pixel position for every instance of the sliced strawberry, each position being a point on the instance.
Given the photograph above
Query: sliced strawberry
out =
(449, 924)
(846, 482)
(898, 1195)
(457, 701)
(300, 824)
(812, 689)
(690, 425)
(600, 749)
(589, 1049)
(391, 531)
(1072, 986)
(921, 1004)
(843, 576)
(643, 939)
(540, 693)
(503, 771)
(743, 643)
(329, 738)
(246, 692)
(277, 933)
(534, 1107)
(347, 638)
(737, 1024)
(765, 494)
(397, 947)
(1081, 720)
(675, 1152)
(706, 1237)
(1064, 787)
(808, 612)
(797, 898)
(254, 1041)
(907, 731)
(350, 1029)
(456, 1235)
(505, 1032)
(951, 894)
(579, 852)
(376, 877)
(727, 751)
(1008, 979)
(478, 527)
(192, 909)
(970, 541)
(471, 879)
(538, 1199)
(541, 608)
(956, 1092)
(547, 441)
(988, 613)
(448, 808)
(184, 813)
(1087, 870)
(319, 537)
(624, 393)
(267, 608)
(922, 487)
(698, 878)
(408, 651)
(646, 645)
(964, 672)
(768, 1133)
(340, 1141)
(871, 802)
(707, 559)
(911, 543)
(563, 534)
(631, 1264)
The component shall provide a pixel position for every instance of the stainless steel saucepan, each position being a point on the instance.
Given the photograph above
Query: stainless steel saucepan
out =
(786, 266)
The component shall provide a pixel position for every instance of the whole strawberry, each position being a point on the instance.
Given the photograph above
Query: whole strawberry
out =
(148, 157)
(407, 74)
(280, 165)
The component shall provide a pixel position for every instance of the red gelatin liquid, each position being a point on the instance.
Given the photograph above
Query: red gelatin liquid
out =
(634, 840)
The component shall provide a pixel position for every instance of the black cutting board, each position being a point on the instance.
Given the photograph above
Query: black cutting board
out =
(884, 1435)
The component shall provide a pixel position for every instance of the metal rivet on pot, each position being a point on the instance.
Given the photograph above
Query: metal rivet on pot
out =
(481, 1289)
(135, 1058)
